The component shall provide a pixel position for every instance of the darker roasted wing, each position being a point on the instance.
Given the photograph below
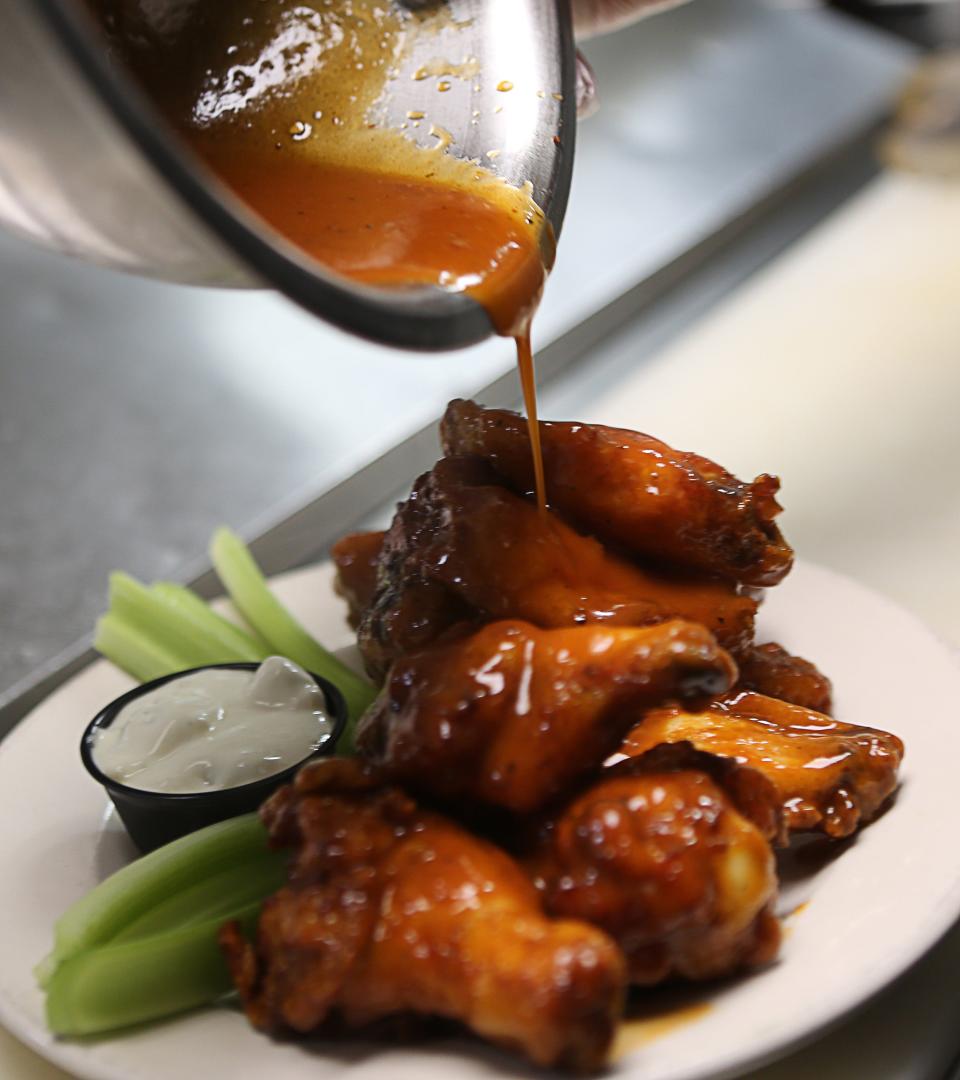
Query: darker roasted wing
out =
(771, 670)
(393, 911)
(409, 608)
(513, 716)
(356, 557)
(666, 863)
(481, 552)
(831, 776)
(635, 491)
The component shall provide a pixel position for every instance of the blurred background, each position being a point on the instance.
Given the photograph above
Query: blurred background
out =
(761, 263)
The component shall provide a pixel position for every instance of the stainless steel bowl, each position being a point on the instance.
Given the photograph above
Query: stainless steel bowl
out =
(88, 168)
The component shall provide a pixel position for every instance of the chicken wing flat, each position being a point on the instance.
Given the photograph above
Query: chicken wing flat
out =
(667, 864)
(392, 911)
(771, 670)
(513, 716)
(832, 777)
(635, 491)
(479, 548)
(356, 557)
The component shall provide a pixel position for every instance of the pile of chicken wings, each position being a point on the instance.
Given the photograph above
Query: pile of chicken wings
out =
(580, 764)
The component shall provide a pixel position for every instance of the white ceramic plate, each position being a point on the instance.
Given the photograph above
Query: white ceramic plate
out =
(859, 920)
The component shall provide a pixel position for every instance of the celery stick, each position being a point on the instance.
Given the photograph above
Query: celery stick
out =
(131, 892)
(44, 971)
(214, 897)
(115, 986)
(167, 625)
(135, 652)
(250, 594)
(191, 604)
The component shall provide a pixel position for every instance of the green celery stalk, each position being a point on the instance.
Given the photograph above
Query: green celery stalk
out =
(130, 893)
(117, 985)
(218, 896)
(135, 652)
(235, 641)
(167, 625)
(251, 596)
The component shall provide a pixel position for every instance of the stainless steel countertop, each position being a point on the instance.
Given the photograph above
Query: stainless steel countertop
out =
(136, 416)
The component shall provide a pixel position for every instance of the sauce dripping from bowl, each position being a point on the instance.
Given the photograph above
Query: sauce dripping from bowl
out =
(396, 230)
(528, 381)
(278, 99)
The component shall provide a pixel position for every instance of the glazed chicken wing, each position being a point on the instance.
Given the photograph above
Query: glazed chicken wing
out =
(635, 491)
(393, 911)
(356, 557)
(408, 610)
(513, 716)
(670, 867)
(484, 553)
(831, 777)
(772, 671)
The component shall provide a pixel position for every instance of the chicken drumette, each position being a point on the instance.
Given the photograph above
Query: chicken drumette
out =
(831, 776)
(636, 492)
(679, 872)
(464, 549)
(513, 716)
(392, 911)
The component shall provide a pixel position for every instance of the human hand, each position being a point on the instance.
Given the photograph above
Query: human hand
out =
(592, 17)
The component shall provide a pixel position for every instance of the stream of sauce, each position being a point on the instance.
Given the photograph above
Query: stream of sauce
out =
(528, 380)
(276, 97)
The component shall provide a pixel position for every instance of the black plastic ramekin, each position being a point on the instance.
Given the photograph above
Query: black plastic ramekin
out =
(154, 818)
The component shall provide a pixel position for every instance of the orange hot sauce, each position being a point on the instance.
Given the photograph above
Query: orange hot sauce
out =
(393, 230)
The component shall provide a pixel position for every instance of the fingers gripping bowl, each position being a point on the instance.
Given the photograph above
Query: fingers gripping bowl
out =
(577, 741)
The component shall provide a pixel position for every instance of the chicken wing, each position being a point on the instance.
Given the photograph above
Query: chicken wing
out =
(513, 716)
(635, 491)
(771, 670)
(485, 553)
(408, 610)
(666, 863)
(831, 777)
(356, 557)
(393, 911)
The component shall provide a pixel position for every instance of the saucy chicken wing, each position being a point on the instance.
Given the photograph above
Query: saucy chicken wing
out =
(393, 911)
(484, 553)
(635, 491)
(356, 557)
(408, 610)
(513, 716)
(771, 670)
(831, 777)
(666, 863)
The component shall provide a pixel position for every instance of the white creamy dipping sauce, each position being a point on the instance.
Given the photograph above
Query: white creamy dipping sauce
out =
(215, 729)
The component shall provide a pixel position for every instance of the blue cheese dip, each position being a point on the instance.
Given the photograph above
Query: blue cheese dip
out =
(215, 729)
